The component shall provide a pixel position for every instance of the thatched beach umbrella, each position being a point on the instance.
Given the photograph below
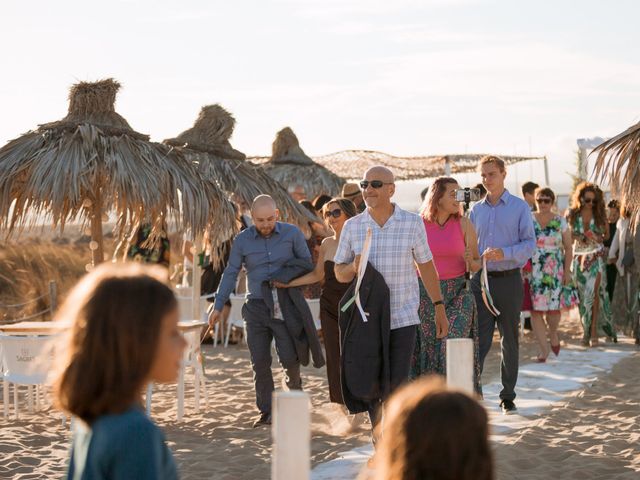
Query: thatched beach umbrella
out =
(207, 145)
(92, 162)
(290, 166)
(618, 161)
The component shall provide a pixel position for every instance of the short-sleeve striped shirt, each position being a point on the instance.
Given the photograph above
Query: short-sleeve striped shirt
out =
(395, 248)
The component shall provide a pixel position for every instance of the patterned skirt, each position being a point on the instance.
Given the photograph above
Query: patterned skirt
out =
(430, 353)
(586, 269)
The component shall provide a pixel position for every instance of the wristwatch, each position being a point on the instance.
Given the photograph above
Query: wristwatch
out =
(439, 302)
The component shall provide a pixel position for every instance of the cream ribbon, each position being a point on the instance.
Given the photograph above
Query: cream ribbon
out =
(486, 294)
(362, 268)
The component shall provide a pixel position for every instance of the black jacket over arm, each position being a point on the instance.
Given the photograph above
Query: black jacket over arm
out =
(364, 370)
(295, 310)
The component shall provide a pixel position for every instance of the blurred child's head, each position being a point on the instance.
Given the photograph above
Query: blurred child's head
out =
(124, 333)
(434, 433)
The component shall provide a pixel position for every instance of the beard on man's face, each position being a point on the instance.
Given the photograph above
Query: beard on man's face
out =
(266, 230)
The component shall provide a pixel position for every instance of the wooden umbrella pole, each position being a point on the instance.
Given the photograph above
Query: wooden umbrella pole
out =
(197, 272)
(97, 254)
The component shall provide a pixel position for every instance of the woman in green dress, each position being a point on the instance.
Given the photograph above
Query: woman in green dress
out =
(590, 229)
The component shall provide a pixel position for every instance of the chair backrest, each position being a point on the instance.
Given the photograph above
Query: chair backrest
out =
(235, 315)
(26, 360)
(314, 306)
(185, 307)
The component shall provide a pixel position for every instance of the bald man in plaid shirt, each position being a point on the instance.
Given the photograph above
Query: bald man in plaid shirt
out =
(398, 246)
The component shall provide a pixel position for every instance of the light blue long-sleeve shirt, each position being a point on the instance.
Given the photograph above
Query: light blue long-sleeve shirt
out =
(507, 225)
(262, 257)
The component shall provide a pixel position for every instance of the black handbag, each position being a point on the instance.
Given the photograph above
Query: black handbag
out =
(628, 260)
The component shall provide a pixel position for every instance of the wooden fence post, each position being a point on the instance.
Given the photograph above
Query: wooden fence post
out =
(460, 364)
(291, 457)
(53, 296)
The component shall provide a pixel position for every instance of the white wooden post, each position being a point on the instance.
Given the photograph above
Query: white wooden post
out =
(447, 166)
(291, 458)
(460, 364)
(148, 399)
(180, 413)
(546, 171)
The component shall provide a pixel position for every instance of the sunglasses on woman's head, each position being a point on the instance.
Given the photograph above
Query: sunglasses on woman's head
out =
(374, 183)
(589, 200)
(543, 200)
(333, 213)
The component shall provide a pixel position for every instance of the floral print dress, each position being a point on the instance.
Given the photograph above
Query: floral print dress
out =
(547, 265)
(589, 261)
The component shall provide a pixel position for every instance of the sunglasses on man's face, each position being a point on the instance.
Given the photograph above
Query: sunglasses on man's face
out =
(364, 184)
(333, 213)
(543, 200)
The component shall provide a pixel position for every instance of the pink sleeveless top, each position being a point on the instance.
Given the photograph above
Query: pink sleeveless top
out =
(447, 246)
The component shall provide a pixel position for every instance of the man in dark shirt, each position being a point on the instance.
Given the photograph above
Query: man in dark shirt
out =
(263, 249)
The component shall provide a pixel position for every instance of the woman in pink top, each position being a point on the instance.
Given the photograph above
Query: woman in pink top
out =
(454, 245)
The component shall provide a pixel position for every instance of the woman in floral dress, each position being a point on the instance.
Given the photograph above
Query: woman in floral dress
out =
(453, 242)
(589, 230)
(551, 270)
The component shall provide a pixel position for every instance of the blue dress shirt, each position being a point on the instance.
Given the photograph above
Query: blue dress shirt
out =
(507, 225)
(262, 257)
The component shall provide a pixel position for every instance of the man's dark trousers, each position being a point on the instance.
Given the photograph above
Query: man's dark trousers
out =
(261, 330)
(507, 294)
(401, 345)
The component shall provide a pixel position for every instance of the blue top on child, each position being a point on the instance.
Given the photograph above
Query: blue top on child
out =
(120, 446)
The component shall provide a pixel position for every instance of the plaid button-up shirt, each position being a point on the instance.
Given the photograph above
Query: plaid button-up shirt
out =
(395, 248)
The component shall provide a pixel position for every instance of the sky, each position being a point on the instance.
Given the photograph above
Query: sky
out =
(404, 77)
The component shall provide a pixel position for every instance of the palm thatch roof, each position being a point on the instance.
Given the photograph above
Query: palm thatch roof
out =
(353, 163)
(207, 145)
(290, 166)
(92, 162)
(618, 161)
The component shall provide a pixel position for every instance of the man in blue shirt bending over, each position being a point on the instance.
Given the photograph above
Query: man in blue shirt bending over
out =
(263, 248)
(507, 240)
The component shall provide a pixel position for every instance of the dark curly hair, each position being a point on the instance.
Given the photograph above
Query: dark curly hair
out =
(577, 202)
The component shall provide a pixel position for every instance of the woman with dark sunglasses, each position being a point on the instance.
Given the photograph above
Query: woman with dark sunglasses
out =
(335, 213)
(550, 271)
(590, 229)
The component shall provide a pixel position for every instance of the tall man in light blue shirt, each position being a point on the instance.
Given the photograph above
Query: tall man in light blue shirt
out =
(263, 249)
(506, 238)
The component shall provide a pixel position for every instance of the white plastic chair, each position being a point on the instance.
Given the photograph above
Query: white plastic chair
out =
(185, 307)
(25, 361)
(235, 317)
(523, 316)
(190, 360)
(314, 306)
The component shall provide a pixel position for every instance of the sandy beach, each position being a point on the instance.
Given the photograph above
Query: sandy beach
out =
(593, 434)
(596, 434)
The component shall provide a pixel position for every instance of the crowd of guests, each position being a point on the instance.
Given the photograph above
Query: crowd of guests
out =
(445, 273)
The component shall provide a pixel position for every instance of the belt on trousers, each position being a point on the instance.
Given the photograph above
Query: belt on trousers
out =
(503, 273)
